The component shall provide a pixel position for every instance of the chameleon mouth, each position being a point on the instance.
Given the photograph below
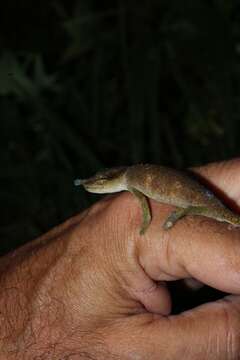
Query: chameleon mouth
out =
(88, 185)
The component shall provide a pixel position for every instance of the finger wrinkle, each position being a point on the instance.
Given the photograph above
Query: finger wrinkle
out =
(231, 320)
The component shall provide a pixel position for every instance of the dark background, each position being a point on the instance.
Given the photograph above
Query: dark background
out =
(92, 84)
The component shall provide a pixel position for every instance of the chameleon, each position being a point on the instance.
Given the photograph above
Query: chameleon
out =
(162, 184)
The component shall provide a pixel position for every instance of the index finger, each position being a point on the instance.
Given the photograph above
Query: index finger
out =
(224, 176)
(196, 246)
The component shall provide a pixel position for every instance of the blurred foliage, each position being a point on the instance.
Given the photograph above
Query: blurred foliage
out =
(89, 84)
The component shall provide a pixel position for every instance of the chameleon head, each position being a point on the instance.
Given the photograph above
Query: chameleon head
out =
(105, 181)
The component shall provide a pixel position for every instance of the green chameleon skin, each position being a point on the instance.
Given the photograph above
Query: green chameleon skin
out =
(165, 185)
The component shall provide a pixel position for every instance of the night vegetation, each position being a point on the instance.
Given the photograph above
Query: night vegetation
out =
(92, 84)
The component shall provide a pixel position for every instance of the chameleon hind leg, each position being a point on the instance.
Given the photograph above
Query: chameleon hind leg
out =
(146, 213)
(181, 212)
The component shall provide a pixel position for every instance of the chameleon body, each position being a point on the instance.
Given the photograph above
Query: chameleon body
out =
(165, 185)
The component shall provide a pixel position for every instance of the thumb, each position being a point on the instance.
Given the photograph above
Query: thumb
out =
(210, 331)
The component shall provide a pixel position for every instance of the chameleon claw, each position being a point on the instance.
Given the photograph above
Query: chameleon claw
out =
(167, 225)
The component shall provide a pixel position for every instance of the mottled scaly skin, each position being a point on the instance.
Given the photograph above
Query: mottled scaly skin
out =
(179, 189)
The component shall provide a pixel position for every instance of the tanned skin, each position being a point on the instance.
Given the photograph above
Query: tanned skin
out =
(94, 289)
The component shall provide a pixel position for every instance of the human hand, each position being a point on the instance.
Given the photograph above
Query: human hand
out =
(93, 288)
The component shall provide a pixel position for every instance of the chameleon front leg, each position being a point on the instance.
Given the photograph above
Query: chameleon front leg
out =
(181, 212)
(146, 213)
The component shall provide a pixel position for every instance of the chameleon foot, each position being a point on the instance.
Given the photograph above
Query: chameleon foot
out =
(174, 217)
